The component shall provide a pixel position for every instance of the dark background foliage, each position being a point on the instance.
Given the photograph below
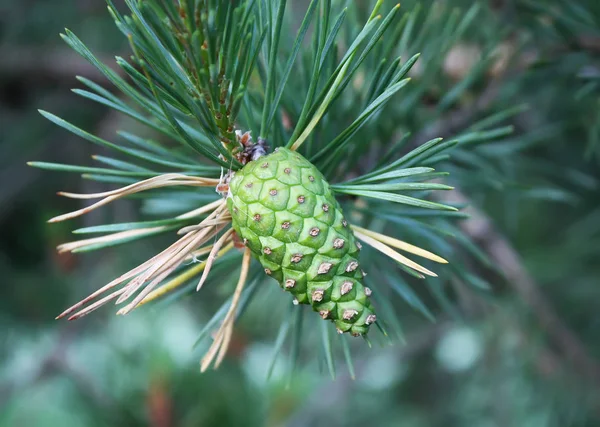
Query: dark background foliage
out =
(525, 353)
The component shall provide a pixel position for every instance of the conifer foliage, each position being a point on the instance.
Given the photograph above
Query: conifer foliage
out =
(274, 144)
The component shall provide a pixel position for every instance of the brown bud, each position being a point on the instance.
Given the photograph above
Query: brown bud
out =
(346, 287)
(358, 245)
(287, 171)
(285, 225)
(267, 250)
(249, 185)
(368, 291)
(264, 165)
(295, 301)
(355, 334)
(267, 271)
(338, 243)
(371, 318)
(344, 223)
(290, 283)
(256, 217)
(300, 199)
(273, 192)
(339, 331)
(311, 178)
(326, 207)
(314, 231)
(296, 258)
(324, 314)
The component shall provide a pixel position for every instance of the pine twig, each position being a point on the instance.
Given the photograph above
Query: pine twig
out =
(481, 229)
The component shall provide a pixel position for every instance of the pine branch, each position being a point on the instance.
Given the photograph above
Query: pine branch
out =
(482, 231)
(192, 72)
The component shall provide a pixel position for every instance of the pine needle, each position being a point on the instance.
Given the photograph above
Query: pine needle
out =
(399, 244)
(226, 237)
(179, 280)
(222, 220)
(202, 210)
(193, 257)
(223, 336)
(109, 238)
(385, 249)
(152, 272)
(148, 184)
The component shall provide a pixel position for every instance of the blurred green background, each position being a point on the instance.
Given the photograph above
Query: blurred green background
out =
(515, 358)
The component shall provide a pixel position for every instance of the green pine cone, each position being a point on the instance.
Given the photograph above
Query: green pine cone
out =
(285, 212)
